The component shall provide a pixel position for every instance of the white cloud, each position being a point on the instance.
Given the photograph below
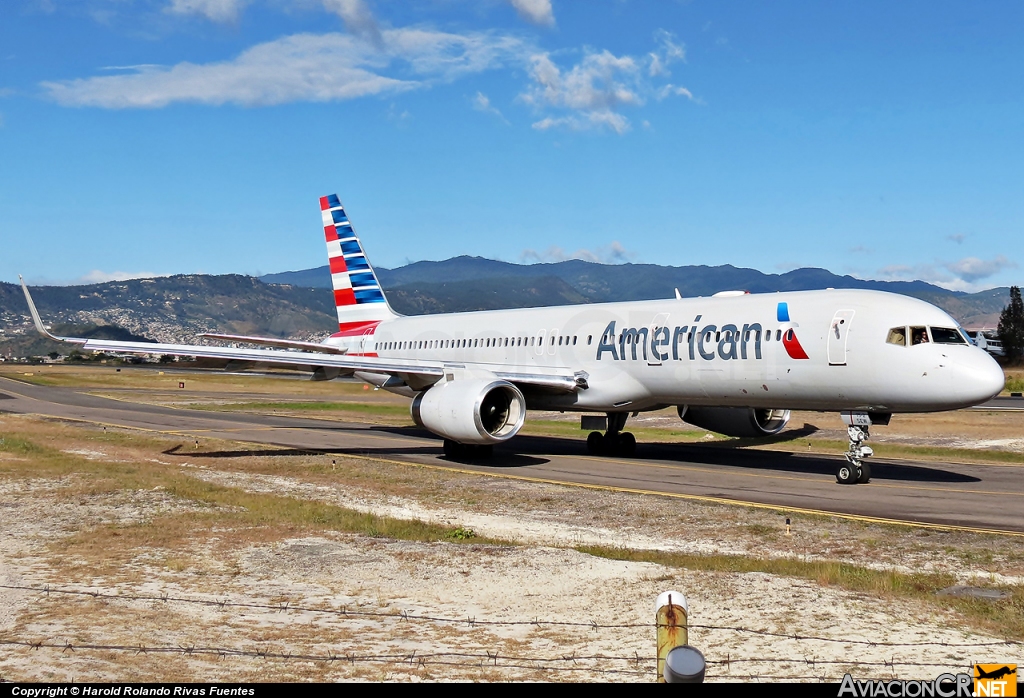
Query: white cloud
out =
(673, 90)
(958, 238)
(591, 95)
(482, 103)
(97, 276)
(600, 81)
(966, 274)
(357, 17)
(587, 121)
(667, 53)
(535, 11)
(614, 253)
(972, 269)
(600, 85)
(215, 10)
(302, 67)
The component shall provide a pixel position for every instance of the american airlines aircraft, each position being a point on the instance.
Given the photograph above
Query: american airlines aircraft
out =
(734, 363)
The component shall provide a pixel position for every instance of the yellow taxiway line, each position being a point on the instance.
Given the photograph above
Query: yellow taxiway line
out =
(607, 488)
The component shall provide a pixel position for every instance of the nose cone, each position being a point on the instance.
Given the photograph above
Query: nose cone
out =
(977, 378)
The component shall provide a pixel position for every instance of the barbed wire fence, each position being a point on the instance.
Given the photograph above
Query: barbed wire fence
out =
(636, 665)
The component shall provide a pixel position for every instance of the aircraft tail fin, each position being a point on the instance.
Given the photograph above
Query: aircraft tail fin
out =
(357, 293)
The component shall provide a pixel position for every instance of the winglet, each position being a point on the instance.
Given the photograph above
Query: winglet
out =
(38, 321)
(679, 296)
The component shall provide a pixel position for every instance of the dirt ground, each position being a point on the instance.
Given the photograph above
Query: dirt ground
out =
(243, 578)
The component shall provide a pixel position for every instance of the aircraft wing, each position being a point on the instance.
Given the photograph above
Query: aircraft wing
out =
(417, 373)
(274, 342)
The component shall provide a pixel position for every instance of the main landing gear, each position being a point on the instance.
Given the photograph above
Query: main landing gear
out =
(614, 442)
(453, 450)
(855, 470)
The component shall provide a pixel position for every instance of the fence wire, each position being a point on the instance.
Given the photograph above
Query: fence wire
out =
(287, 606)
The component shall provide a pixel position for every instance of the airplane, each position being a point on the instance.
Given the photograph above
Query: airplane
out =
(995, 673)
(735, 363)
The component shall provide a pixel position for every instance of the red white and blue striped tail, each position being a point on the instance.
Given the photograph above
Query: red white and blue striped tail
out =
(357, 293)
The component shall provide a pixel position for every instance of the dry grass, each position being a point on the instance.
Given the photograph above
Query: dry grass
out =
(221, 518)
(249, 516)
(1004, 617)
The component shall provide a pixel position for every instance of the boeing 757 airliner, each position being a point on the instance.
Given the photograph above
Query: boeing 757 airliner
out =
(734, 363)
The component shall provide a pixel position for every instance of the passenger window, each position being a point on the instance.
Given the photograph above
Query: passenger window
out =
(946, 335)
(778, 335)
(918, 335)
(590, 338)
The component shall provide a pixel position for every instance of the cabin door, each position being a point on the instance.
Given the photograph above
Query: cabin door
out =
(837, 335)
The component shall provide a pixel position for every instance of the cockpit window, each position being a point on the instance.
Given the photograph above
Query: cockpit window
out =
(918, 335)
(898, 335)
(946, 335)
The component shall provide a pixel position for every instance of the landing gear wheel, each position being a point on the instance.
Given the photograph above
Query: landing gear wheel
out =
(865, 474)
(627, 444)
(855, 470)
(595, 443)
(453, 449)
(847, 474)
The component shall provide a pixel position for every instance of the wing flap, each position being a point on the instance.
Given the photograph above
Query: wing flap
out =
(274, 342)
(275, 356)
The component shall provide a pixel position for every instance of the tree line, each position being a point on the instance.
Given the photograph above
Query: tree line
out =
(1011, 328)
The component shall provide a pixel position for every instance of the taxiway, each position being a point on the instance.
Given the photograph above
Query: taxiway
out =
(977, 497)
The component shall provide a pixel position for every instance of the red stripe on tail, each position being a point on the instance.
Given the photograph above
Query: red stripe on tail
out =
(344, 297)
(354, 329)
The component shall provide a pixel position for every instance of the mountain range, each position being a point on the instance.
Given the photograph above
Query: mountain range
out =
(475, 283)
(297, 303)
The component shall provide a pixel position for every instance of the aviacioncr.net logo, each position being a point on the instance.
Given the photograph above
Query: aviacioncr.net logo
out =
(943, 686)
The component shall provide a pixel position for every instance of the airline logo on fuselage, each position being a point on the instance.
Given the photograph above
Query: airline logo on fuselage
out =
(728, 342)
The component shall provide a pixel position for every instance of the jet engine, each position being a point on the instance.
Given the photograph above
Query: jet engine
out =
(471, 411)
(736, 421)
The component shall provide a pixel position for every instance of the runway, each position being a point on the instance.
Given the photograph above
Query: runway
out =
(987, 497)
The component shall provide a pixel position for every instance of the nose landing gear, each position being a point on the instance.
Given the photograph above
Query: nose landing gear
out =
(614, 442)
(855, 470)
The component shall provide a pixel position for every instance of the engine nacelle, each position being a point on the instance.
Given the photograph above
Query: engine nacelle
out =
(736, 421)
(471, 410)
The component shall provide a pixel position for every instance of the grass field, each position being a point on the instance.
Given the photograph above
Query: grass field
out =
(123, 511)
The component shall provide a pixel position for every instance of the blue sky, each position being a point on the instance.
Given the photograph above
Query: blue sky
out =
(879, 139)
